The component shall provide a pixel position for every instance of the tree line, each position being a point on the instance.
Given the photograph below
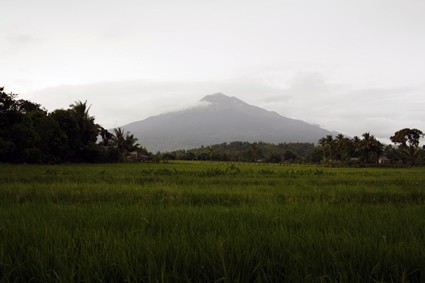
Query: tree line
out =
(367, 150)
(30, 134)
(246, 152)
(331, 150)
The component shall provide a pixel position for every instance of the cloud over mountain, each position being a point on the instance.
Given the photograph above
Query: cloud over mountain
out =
(219, 119)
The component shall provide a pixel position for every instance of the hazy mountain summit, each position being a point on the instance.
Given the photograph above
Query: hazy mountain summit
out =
(222, 99)
(218, 119)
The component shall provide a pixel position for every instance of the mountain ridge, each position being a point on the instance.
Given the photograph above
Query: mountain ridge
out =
(222, 119)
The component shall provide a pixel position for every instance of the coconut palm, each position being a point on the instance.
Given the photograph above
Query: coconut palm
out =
(327, 145)
(370, 147)
(124, 141)
(88, 130)
(356, 146)
(343, 147)
(131, 142)
(119, 140)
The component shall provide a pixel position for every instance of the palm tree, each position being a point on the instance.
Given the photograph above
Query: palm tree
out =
(124, 141)
(365, 146)
(327, 145)
(131, 142)
(107, 137)
(343, 147)
(81, 110)
(370, 145)
(88, 129)
(356, 144)
(119, 140)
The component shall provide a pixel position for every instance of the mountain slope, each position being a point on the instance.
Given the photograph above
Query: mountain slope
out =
(221, 119)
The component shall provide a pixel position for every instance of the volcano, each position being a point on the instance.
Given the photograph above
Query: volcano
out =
(219, 119)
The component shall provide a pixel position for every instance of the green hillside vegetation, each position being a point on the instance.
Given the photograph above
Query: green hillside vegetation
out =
(211, 222)
(247, 152)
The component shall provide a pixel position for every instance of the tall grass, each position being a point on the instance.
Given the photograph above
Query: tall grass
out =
(214, 222)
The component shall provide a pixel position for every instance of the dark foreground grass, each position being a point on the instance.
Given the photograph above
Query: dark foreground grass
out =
(211, 222)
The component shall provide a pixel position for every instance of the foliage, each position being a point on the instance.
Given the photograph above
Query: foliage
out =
(408, 144)
(368, 151)
(343, 150)
(124, 141)
(30, 134)
(247, 152)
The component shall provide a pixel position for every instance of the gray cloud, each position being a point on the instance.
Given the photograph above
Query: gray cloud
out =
(118, 103)
(21, 39)
(347, 109)
(277, 98)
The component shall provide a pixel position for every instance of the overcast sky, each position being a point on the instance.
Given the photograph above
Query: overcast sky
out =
(349, 66)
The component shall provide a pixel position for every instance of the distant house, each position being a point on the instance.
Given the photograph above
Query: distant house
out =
(133, 156)
(145, 157)
(137, 156)
(384, 160)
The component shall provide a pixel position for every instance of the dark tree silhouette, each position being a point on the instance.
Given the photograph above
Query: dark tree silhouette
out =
(408, 143)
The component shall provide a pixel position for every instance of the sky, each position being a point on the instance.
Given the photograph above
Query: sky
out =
(348, 66)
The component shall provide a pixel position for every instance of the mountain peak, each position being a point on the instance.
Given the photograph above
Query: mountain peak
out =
(223, 119)
(220, 98)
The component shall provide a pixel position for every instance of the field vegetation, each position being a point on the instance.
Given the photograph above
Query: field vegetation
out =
(210, 221)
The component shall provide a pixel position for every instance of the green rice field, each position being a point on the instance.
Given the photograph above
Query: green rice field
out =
(211, 222)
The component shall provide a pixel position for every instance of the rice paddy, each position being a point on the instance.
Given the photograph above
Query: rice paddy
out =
(211, 222)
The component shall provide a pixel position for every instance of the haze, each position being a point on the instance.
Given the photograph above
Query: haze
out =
(350, 66)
